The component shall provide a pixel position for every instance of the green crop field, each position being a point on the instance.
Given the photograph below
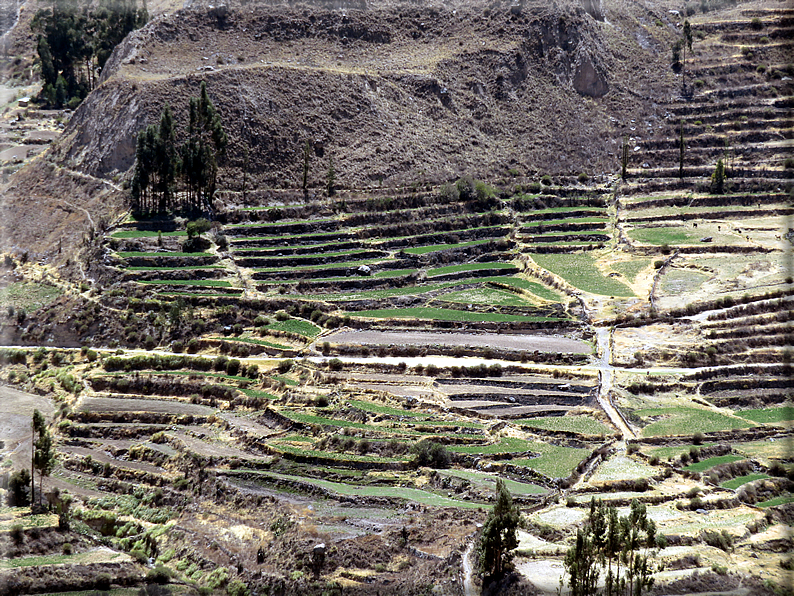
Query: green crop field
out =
(484, 480)
(256, 342)
(659, 236)
(167, 268)
(396, 492)
(299, 326)
(769, 415)
(576, 424)
(630, 269)
(687, 421)
(672, 452)
(443, 314)
(28, 296)
(421, 250)
(145, 234)
(207, 283)
(468, 267)
(505, 445)
(485, 295)
(380, 409)
(137, 253)
(781, 500)
(579, 269)
(735, 483)
(554, 461)
(533, 287)
(707, 464)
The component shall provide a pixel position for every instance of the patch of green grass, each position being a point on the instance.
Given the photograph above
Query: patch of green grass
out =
(707, 464)
(137, 253)
(468, 267)
(554, 461)
(735, 483)
(379, 409)
(421, 250)
(393, 273)
(145, 234)
(576, 424)
(533, 287)
(256, 393)
(666, 235)
(207, 283)
(505, 445)
(557, 222)
(688, 421)
(781, 500)
(443, 314)
(299, 326)
(674, 451)
(485, 295)
(190, 268)
(310, 268)
(484, 480)
(769, 415)
(28, 296)
(630, 269)
(579, 269)
(396, 492)
(257, 342)
(286, 380)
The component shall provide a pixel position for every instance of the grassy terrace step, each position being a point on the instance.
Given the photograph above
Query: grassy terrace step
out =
(585, 222)
(444, 237)
(769, 415)
(299, 326)
(576, 424)
(485, 295)
(554, 461)
(158, 254)
(146, 234)
(299, 249)
(688, 421)
(341, 269)
(469, 267)
(488, 481)
(305, 418)
(570, 212)
(315, 260)
(530, 286)
(444, 314)
(579, 270)
(309, 238)
(421, 250)
(177, 268)
(711, 462)
(256, 342)
(735, 483)
(402, 493)
(556, 237)
(209, 283)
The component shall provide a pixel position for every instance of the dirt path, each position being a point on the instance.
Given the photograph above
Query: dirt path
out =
(605, 382)
(468, 573)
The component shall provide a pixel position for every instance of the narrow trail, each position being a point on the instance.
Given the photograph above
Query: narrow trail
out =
(605, 382)
(468, 572)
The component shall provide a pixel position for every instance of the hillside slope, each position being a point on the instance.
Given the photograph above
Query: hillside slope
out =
(395, 95)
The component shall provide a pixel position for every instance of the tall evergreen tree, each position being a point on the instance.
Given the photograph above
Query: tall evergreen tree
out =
(499, 533)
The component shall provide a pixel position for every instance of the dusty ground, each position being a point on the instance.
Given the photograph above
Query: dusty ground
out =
(16, 410)
(528, 342)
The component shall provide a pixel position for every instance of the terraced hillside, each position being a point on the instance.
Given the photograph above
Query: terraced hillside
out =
(317, 394)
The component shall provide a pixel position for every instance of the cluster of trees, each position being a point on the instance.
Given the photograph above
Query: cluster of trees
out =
(615, 545)
(160, 163)
(21, 485)
(499, 537)
(74, 42)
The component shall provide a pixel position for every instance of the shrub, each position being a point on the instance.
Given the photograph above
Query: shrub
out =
(286, 365)
(233, 367)
(335, 364)
(282, 316)
(546, 180)
(722, 540)
(430, 454)
(756, 23)
(159, 575)
(583, 178)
